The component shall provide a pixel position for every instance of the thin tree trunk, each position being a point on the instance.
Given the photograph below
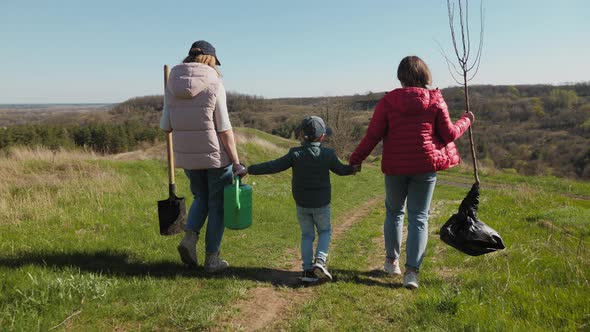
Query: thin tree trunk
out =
(471, 143)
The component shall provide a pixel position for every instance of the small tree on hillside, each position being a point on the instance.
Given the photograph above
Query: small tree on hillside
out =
(346, 132)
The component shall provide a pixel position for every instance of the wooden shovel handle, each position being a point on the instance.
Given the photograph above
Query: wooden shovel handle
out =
(169, 140)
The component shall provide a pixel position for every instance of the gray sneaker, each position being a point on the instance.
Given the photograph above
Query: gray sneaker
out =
(213, 263)
(187, 248)
(411, 279)
(321, 271)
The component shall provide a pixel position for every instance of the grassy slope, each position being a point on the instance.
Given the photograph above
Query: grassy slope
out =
(79, 237)
(86, 239)
(539, 283)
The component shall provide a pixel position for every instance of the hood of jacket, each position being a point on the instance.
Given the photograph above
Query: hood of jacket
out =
(187, 80)
(412, 99)
(314, 148)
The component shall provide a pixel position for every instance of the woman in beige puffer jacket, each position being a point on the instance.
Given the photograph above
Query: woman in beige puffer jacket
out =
(195, 111)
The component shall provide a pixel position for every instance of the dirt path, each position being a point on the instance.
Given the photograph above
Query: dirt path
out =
(264, 306)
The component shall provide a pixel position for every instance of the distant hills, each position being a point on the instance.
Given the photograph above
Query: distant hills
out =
(533, 129)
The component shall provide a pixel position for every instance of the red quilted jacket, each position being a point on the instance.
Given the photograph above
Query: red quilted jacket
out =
(416, 130)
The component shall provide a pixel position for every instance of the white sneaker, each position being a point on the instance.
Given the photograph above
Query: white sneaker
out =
(213, 263)
(391, 266)
(411, 279)
(321, 271)
(187, 248)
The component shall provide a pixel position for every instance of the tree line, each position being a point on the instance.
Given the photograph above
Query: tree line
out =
(533, 129)
(98, 137)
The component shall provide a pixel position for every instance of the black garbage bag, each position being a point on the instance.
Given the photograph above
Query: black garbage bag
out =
(466, 233)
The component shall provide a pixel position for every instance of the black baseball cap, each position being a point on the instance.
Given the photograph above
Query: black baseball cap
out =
(206, 48)
(313, 127)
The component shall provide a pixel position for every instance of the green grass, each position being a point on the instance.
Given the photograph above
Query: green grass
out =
(538, 184)
(79, 239)
(539, 283)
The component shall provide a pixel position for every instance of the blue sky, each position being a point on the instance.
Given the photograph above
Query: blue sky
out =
(109, 51)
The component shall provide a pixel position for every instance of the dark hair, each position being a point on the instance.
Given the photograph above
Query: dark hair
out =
(413, 72)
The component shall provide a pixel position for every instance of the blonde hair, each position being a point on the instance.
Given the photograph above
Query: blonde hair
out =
(206, 59)
(413, 72)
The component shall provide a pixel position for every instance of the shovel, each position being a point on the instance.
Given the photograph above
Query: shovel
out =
(171, 211)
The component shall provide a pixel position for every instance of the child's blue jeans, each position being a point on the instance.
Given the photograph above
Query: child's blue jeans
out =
(417, 190)
(311, 219)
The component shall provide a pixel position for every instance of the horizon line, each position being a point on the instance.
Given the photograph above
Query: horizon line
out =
(294, 97)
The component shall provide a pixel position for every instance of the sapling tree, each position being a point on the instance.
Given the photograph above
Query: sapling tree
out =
(464, 230)
(467, 62)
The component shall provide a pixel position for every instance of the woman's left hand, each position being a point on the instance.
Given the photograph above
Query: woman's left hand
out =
(470, 116)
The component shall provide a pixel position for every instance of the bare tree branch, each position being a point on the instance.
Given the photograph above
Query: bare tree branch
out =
(450, 64)
(451, 13)
(467, 28)
(462, 22)
(480, 46)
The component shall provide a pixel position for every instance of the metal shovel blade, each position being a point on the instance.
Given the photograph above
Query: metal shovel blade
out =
(172, 215)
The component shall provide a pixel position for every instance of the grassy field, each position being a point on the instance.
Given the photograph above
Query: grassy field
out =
(80, 251)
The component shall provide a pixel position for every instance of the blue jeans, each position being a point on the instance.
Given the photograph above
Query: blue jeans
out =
(417, 191)
(207, 188)
(310, 218)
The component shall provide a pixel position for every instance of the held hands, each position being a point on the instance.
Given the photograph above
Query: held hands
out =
(239, 170)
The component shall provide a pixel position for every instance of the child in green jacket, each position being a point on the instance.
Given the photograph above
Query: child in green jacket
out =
(311, 190)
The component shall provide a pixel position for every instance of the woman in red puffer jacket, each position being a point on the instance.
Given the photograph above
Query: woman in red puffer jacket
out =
(417, 133)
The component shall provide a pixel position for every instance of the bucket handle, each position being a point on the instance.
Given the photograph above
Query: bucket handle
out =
(237, 181)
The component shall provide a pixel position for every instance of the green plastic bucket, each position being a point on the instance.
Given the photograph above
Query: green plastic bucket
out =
(237, 205)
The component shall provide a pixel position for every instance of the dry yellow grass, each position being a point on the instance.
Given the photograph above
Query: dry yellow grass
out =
(262, 143)
(39, 153)
(158, 151)
(35, 179)
(151, 152)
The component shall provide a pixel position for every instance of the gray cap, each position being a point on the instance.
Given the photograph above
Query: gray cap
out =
(313, 127)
